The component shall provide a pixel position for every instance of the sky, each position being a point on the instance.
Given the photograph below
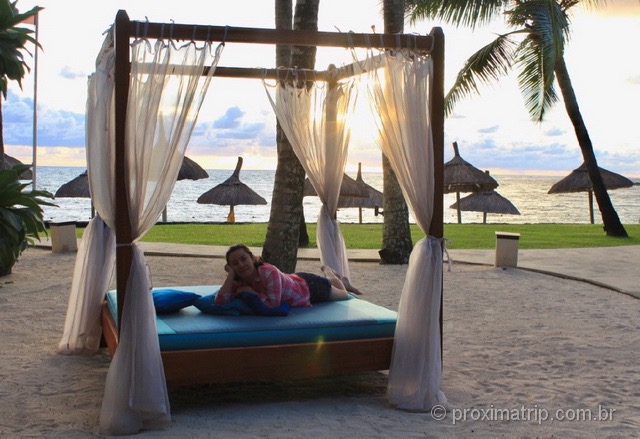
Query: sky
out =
(493, 130)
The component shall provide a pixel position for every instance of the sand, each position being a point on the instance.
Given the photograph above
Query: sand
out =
(521, 350)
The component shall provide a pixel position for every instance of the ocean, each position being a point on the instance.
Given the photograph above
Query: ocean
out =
(527, 193)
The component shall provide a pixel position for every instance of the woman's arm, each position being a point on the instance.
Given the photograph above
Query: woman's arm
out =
(227, 290)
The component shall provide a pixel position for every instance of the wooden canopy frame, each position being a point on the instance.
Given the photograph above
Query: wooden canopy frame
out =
(126, 29)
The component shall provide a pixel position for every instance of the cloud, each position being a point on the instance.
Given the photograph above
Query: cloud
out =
(66, 128)
(67, 73)
(455, 115)
(232, 135)
(61, 128)
(488, 154)
(554, 131)
(489, 130)
(17, 123)
(55, 127)
(17, 109)
(243, 132)
(231, 119)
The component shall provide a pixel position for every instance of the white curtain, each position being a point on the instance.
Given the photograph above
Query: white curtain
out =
(315, 122)
(166, 91)
(96, 254)
(399, 93)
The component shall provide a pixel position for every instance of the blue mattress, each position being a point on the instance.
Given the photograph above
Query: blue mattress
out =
(329, 321)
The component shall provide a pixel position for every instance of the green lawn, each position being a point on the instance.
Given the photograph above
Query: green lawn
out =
(369, 236)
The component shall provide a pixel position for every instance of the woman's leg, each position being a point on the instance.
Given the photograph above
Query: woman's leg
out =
(339, 282)
(338, 294)
(338, 290)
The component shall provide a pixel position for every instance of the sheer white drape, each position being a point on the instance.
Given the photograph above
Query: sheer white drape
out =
(166, 91)
(399, 93)
(315, 122)
(96, 253)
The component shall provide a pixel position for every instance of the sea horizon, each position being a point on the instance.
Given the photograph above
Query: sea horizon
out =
(528, 193)
(352, 170)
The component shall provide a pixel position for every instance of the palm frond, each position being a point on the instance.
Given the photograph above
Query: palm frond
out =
(536, 78)
(21, 216)
(486, 65)
(587, 4)
(471, 13)
(545, 18)
(547, 25)
(13, 40)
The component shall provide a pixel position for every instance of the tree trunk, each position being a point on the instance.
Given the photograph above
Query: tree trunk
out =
(610, 219)
(283, 231)
(396, 233)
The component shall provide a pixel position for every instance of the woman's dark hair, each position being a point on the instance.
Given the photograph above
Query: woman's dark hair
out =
(257, 260)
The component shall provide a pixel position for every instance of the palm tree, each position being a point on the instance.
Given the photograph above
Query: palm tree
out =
(12, 44)
(396, 233)
(536, 49)
(283, 231)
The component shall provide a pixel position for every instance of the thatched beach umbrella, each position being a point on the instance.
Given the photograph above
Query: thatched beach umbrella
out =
(76, 188)
(232, 192)
(578, 181)
(374, 200)
(486, 202)
(461, 176)
(10, 162)
(349, 188)
(189, 170)
(79, 186)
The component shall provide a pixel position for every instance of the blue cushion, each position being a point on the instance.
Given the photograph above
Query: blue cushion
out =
(243, 304)
(207, 305)
(259, 308)
(167, 300)
(327, 321)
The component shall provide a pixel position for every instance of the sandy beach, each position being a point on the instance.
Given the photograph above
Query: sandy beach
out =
(525, 355)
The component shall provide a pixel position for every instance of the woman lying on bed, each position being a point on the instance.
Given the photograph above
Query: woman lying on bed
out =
(248, 273)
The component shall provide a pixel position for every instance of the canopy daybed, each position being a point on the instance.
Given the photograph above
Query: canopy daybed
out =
(134, 151)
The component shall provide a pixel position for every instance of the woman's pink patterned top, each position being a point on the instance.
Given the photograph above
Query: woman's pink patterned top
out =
(274, 287)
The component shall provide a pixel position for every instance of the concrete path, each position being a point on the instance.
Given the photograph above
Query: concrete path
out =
(616, 268)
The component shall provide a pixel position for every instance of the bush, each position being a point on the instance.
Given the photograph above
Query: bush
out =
(21, 216)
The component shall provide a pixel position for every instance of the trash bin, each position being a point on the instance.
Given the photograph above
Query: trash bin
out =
(507, 249)
(63, 237)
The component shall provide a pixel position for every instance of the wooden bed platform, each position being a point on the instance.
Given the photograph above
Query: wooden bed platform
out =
(271, 362)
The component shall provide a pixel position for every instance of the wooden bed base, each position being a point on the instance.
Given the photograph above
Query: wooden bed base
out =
(265, 363)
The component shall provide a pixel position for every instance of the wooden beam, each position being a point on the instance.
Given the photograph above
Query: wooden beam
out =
(232, 34)
(258, 73)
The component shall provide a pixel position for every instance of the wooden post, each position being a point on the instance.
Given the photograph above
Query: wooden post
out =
(437, 127)
(123, 223)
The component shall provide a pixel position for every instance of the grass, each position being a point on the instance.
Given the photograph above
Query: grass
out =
(369, 236)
